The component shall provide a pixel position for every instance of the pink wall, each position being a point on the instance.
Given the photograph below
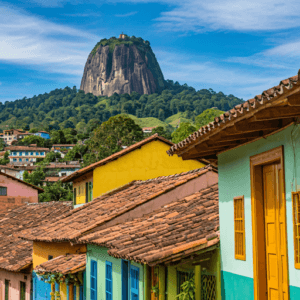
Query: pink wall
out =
(18, 193)
(14, 288)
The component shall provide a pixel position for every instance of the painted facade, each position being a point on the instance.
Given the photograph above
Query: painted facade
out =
(234, 180)
(14, 192)
(150, 161)
(42, 252)
(15, 286)
(98, 282)
(83, 189)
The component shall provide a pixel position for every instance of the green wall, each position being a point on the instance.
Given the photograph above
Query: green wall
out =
(100, 255)
(234, 180)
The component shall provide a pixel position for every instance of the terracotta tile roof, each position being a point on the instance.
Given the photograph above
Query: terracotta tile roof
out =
(109, 206)
(16, 254)
(241, 111)
(26, 148)
(116, 156)
(168, 234)
(21, 181)
(64, 264)
(63, 145)
(52, 179)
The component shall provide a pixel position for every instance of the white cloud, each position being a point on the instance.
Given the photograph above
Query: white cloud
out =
(200, 73)
(126, 15)
(26, 39)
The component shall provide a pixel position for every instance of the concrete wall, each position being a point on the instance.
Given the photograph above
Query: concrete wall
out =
(150, 161)
(100, 255)
(234, 180)
(14, 286)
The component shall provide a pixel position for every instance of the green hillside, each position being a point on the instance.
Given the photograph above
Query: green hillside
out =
(65, 108)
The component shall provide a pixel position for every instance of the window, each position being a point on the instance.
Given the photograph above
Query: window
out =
(296, 218)
(90, 191)
(14, 159)
(239, 228)
(108, 280)
(134, 280)
(31, 153)
(20, 159)
(7, 283)
(74, 196)
(27, 159)
(125, 273)
(26, 153)
(3, 191)
(50, 257)
(93, 280)
(42, 153)
(36, 153)
(22, 290)
(14, 153)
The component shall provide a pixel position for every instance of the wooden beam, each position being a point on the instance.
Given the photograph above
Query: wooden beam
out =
(275, 113)
(243, 136)
(294, 100)
(257, 126)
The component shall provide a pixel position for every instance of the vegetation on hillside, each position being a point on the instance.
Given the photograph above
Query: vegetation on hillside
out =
(72, 108)
(113, 42)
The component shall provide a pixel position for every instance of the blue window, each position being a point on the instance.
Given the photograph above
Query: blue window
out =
(20, 159)
(15, 153)
(27, 159)
(37, 153)
(134, 282)
(81, 292)
(31, 153)
(93, 280)
(42, 153)
(108, 280)
(26, 153)
(74, 292)
(14, 159)
(125, 273)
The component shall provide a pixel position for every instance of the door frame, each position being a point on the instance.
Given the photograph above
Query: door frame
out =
(257, 207)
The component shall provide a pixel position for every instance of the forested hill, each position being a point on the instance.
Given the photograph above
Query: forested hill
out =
(64, 108)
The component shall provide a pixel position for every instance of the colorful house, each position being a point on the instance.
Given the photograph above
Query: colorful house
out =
(15, 253)
(43, 134)
(133, 201)
(25, 154)
(255, 146)
(152, 256)
(143, 160)
(15, 192)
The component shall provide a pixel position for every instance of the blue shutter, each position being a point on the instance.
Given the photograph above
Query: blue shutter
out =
(74, 292)
(93, 280)
(81, 292)
(125, 273)
(108, 280)
(134, 283)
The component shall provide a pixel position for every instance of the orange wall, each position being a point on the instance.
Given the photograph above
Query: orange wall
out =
(41, 250)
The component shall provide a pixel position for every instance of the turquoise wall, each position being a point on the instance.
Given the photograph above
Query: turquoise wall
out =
(234, 180)
(100, 255)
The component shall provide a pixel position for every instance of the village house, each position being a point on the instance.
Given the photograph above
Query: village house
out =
(13, 135)
(43, 134)
(20, 155)
(143, 160)
(16, 254)
(172, 194)
(15, 192)
(255, 146)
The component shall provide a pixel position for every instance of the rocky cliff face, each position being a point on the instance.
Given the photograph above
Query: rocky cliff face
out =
(121, 69)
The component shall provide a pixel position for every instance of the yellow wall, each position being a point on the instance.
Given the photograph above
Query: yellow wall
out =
(150, 161)
(41, 250)
(80, 185)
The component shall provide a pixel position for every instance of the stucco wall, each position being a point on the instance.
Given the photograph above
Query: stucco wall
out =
(14, 288)
(234, 180)
(80, 184)
(150, 161)
(42, 250)
(100, 255)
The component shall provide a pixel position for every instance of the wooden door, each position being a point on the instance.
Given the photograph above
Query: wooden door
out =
(275, 233)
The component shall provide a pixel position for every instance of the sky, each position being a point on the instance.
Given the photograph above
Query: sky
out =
(238, 47)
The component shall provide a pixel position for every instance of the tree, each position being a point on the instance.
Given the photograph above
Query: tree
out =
(182, 132)
(2, 144)
(111, 135)
(35, 178)
(207, 116)
(162, 132)
(58, 137)
(5, 159)
(50, 157)
(57, 191)
(76, 153)
(32, 139)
